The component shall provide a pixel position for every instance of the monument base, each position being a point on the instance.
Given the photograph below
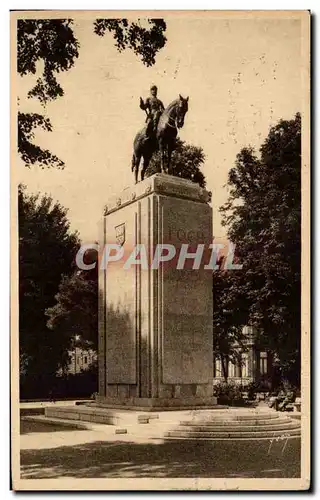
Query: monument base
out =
(156, 404)
(155, 317)
(125, 415)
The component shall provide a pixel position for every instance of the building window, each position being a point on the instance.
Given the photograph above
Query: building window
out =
(231, 369)
(244, 365)
(263, 363)
(218, 367)
(247, 330)
(85, 360)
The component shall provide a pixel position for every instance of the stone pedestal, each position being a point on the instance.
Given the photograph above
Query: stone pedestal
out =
(155, 325)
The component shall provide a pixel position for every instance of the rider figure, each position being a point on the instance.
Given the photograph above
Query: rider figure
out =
(154, 107)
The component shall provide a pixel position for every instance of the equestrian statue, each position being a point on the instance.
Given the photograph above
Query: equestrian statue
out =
(159, 133)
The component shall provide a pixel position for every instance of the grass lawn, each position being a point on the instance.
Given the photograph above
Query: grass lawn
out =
(35, 427)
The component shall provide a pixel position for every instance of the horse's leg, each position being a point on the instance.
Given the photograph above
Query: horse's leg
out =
(162, 152)
(133, 164)
(170, 148)
(136, 168)
(146, 161)
(166, 159)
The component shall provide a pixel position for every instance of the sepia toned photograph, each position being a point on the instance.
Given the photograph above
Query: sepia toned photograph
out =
(160, 250)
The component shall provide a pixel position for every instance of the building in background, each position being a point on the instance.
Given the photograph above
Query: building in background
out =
(255, 364)
(81, 358)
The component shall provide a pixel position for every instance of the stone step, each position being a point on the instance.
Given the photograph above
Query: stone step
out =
(237, 435)
(78, 409)
(56, 421)
(227, 422)
(240, 417)
(244, 428)
(88, 414)
(111, 416)
(73, 424)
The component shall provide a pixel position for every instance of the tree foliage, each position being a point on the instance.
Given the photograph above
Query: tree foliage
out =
(186, 162)
(76, 308)
(30, 152)
(263, 216)
(47, 251)
(52, 42)
(144, 41)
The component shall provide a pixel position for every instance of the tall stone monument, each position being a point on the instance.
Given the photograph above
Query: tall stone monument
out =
(155, 321)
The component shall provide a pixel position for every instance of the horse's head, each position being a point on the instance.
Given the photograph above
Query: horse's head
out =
(182, 108)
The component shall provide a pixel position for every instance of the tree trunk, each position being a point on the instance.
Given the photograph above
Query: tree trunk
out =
(224, 364)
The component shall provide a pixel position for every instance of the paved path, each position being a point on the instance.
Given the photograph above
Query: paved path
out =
(99, 453)
(44, 404)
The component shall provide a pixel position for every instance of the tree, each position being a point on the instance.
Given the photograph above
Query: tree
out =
(186, 162)
(53, 43)
(263, 216)
(47, 251)
(76, 308)
(229, 318)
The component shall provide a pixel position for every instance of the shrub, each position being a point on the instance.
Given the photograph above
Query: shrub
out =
(261, 385)
(80, 385)
(228, 392)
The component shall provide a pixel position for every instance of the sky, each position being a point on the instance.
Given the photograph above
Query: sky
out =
(241, 75)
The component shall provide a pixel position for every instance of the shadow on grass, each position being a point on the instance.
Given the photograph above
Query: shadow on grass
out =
(165, 459)
(32, 427)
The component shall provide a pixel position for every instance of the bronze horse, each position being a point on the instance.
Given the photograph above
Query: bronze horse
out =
(164, 139)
